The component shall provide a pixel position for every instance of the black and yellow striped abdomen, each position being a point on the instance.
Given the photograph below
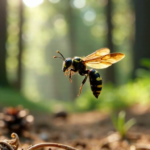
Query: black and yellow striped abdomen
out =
(95, 82)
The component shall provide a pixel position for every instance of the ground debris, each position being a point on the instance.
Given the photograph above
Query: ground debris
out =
(87, 131)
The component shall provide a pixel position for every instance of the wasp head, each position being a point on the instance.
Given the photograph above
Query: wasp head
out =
(66, 62)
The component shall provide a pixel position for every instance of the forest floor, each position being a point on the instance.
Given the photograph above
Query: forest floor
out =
(89, 131)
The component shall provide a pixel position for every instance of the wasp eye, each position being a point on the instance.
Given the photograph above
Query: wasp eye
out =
(67, 62)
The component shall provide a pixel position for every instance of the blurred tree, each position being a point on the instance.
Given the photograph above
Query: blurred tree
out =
(3, 31)
(110, 73)
(142, 32)
(72, 46)
(20, 45)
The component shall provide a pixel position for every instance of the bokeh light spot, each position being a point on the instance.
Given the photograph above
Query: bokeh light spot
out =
(79, 3)
(32, 3)
(89, 15)
(54, 1)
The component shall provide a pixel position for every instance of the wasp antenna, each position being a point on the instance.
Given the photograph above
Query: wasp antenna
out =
(61, 55)
(58, 57)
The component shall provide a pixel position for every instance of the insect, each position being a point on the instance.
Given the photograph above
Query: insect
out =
(99, 59)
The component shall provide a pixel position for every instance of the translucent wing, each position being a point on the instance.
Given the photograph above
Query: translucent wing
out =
(98, 53)
(99, 65)
(104, 61)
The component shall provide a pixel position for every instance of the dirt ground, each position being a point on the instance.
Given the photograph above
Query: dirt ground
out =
(88, 131)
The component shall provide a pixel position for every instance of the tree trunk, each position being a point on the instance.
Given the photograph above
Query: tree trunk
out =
(110, 73)
(142, 32)
(3, 33)
(71, 27)
(20, 45)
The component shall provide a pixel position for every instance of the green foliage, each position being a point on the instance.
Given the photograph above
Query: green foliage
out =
(144, 73)
(9, 97)
(120, 125)
(112, 98)
(145, 62)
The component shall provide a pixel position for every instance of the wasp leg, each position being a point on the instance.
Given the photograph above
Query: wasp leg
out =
(70, 74)
(66, 73)
(83, 84)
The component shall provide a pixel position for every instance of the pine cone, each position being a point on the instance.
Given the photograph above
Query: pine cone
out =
(16, 119)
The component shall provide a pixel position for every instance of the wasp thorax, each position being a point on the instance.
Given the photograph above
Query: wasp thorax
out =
(66, 64)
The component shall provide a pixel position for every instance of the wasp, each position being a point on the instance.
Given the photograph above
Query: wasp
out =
(99, 59)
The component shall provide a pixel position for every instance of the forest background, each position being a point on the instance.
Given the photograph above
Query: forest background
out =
(32, 31)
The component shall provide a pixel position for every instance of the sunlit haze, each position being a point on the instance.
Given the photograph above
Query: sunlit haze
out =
(32, 3)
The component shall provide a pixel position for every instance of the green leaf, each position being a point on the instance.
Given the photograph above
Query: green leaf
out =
(129, 124)
(121, 122)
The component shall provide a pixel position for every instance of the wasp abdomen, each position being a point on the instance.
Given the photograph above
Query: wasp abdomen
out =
(95, 82)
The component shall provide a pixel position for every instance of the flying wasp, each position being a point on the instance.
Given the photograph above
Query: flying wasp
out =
(99, 59)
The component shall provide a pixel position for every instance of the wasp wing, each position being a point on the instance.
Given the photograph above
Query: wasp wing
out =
(104, 61)
(98, 65)
(98, 53)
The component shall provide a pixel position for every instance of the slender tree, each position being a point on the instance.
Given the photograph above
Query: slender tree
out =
(110, 73)
(20, 45)
(71, 29)
(3, 31)
(142, 32)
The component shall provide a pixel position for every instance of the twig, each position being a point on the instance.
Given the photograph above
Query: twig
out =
(3, 144)
(14, 144)
(41, 145)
